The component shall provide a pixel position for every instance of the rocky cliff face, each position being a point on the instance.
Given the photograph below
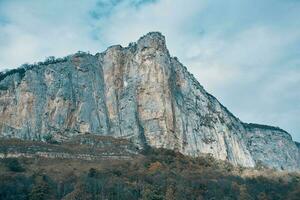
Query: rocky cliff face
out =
(140, 93)
(272, 146)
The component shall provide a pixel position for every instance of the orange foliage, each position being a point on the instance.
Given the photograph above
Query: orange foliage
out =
(155, 166)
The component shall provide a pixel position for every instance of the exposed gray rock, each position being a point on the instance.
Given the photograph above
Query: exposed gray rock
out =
(140, 93)
(272, 147)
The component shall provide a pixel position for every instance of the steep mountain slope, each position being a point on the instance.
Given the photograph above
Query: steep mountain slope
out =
(140, 93)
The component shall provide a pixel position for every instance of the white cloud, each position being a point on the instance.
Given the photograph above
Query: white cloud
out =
(37, 29)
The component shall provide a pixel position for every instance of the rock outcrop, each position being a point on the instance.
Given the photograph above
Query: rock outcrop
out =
(272, 146)
(139, 93)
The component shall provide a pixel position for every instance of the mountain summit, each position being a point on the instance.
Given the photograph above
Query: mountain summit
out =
(139, 93)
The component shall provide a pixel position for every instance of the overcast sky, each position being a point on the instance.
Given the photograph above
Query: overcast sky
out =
(244, 52)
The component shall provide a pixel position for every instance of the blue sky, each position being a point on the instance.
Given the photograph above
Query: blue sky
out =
(244, 52)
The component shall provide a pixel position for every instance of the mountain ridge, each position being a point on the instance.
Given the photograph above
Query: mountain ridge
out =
(137, 92)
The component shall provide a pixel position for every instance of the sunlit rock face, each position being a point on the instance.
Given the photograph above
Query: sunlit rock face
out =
(140, 93)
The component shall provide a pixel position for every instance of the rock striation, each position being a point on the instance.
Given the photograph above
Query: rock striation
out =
(81, 147)
(139, 93)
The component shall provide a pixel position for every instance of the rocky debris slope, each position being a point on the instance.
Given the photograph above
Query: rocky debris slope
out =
(139, 92)
(83, 147)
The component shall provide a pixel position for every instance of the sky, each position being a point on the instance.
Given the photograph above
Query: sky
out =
(244, 52)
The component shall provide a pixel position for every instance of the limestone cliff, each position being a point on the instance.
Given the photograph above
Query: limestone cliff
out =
(272, 146)
(140, 93)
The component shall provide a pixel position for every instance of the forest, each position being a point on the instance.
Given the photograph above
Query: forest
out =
(155, 174)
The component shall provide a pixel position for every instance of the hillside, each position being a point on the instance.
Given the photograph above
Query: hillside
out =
(150, 174)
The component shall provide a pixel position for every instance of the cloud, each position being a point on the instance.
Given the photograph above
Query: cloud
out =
(245, 52)
(37, 29)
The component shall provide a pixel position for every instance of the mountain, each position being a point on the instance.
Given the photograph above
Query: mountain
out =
(139, 93)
